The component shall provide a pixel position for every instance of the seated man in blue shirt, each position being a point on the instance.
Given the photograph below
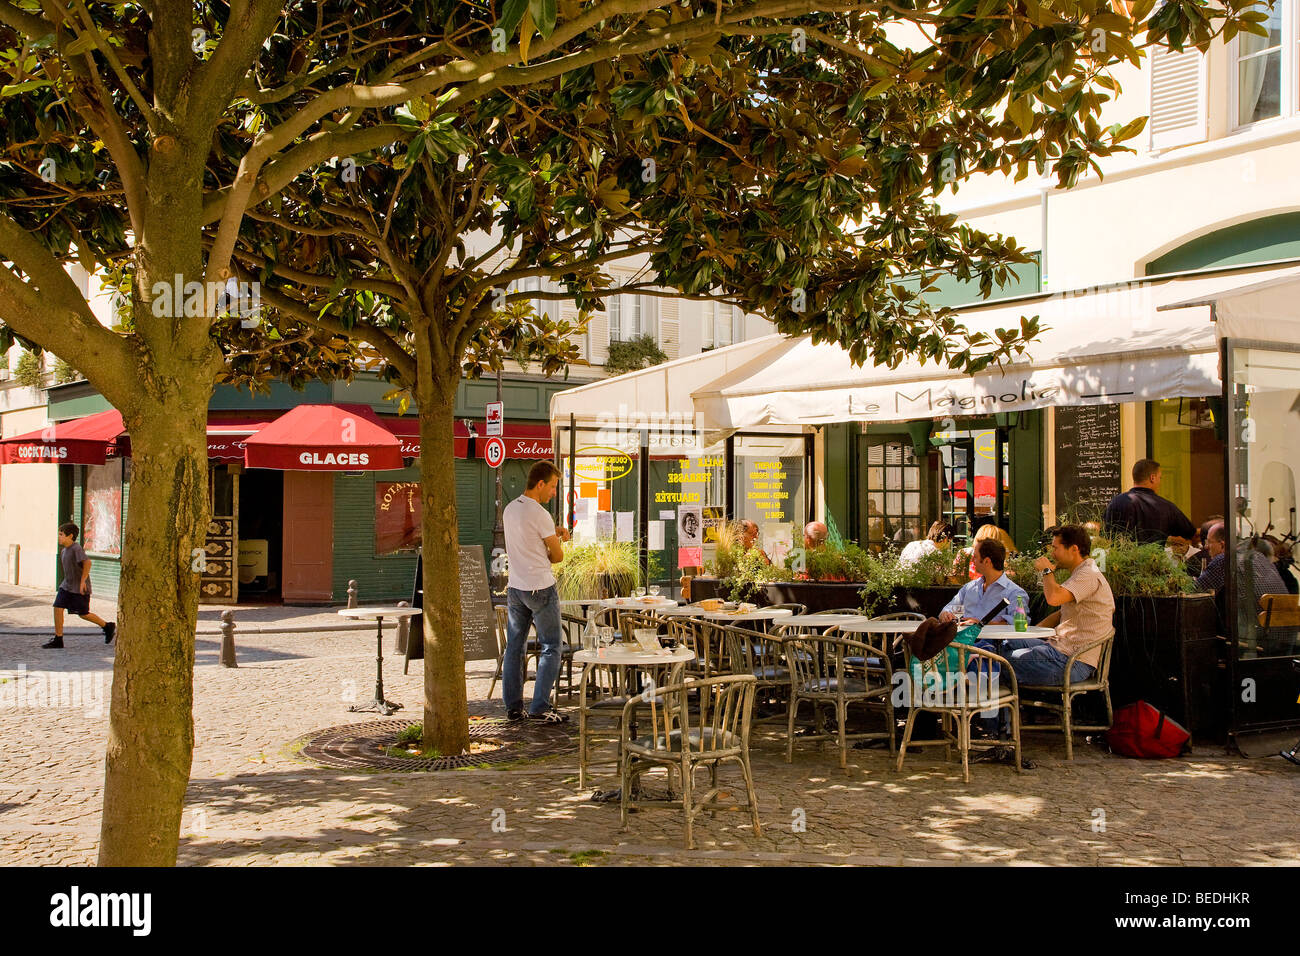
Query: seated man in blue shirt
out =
(982, 595)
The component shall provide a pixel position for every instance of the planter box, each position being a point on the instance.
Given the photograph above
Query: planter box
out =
(1167, 652)
(815, 595)
(927, 601)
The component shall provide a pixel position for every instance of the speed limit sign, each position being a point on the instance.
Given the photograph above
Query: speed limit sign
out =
(494, 452)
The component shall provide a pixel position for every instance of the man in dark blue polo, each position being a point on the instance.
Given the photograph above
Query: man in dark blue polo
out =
(1142, 514)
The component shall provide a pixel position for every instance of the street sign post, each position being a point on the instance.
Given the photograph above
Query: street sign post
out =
(494, 452)
(496, 416)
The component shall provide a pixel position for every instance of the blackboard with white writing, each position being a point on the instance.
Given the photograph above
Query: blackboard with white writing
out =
(477, 619)
(1087, 457)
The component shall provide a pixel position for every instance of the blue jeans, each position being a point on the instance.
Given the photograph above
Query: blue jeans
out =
(1040, 663)
(540, 608)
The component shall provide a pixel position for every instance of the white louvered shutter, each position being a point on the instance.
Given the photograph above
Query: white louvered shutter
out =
(1178, 98)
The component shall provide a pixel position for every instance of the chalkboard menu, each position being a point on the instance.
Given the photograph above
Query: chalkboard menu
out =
(1087, 457)
(477, 619)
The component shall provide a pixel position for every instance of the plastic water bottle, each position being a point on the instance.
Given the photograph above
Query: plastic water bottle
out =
(1021, 619)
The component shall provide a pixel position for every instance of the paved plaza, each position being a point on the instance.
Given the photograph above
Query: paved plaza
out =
(253, 800)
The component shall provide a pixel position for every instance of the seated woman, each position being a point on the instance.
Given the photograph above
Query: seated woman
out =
(937, 538)
(966, 556)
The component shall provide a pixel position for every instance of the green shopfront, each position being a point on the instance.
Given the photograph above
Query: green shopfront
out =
(301, 537)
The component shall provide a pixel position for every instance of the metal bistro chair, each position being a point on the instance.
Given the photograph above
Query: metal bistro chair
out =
(501, 627)
(760, 655)
(950, 686)
(822, 673)
(602, 694)
(1067, 690)
(680, 744)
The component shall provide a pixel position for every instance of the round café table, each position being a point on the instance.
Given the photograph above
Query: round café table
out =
(629, 661)
(1007, 632)
(639, 604)
(378, 705)
(758, 614)
(880, 627)
(817, 621)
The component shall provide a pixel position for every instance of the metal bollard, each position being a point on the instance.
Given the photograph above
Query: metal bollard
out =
(403, 629)
(352, 594)
(228, 639)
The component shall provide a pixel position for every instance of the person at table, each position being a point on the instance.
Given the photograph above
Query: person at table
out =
(937, 538)
(1143, 515)
(1198, 556)
(1253, 581)
(1086, 613)
(967, 555)
(532, 546)
(749, 539)
(814, 535)
(982, 595)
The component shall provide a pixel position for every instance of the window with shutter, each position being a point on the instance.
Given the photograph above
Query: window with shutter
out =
(709, 309)
(1178, 97)
(614, 309)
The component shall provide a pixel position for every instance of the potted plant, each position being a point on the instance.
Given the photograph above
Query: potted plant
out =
(598, 569)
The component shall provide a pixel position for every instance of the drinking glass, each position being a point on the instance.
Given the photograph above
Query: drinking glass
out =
(959, 612)
(606, 637)
(638, 592)
(654, 590)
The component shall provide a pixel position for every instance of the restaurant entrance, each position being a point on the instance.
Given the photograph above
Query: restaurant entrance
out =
(261, 526)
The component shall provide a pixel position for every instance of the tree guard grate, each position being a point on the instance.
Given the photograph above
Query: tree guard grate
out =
(362, 746)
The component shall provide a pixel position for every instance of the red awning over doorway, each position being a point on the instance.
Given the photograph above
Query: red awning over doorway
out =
(325, 438)
(521, 440)
(227, 435)
(83, 441)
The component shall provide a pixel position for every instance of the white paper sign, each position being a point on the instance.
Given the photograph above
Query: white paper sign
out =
(690, 526)
(626, 527)
(778, 539)
(669, 515)
(604, 525)
(656, 536)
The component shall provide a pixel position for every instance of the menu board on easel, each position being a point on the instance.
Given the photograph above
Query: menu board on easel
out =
(477, 617)
(1087, 457)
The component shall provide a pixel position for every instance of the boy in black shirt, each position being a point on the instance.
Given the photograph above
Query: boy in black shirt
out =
(74, 589)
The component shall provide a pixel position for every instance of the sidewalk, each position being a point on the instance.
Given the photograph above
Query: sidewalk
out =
(26, 610)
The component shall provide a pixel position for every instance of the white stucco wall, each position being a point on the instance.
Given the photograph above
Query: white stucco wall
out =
(29, 498)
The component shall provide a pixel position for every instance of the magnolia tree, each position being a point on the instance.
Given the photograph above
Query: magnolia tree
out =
(782, 154)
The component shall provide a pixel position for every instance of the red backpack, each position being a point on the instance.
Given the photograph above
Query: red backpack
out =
(1140, 730)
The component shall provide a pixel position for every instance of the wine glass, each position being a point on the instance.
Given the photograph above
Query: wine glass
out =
(654, 590)
(959, 613)
(606, 637)
(638, 593)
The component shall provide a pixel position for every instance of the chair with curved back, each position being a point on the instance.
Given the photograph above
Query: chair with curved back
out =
(960, 683)
(1069, 689)
(682, 744)
(822, 673)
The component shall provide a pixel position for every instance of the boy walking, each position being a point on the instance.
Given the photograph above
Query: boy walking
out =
(74, 589)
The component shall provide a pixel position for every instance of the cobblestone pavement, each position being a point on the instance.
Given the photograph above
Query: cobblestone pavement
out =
(253, 801)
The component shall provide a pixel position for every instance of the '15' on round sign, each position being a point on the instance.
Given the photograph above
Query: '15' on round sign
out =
(494, 452)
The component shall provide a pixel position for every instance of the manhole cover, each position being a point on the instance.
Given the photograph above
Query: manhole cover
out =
(495, 740)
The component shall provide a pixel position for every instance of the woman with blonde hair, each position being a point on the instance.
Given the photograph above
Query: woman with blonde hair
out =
(989, 530)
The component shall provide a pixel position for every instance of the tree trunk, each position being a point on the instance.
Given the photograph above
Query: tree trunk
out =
(151, 734)
(446, 710)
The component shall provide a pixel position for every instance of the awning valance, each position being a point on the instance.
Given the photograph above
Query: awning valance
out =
(92, 440)
(325, 438)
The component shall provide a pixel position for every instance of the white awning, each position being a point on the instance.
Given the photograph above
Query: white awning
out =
(662, 391)
(1118, 343)
(1267, 310)
(1130, 342)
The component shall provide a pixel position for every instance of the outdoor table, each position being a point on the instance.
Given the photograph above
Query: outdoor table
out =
(824, 620)
(642, 604)
(679, 610)
(759, 614)
(378, 705)
(880, 627)
(629, 662)
(1007, 632)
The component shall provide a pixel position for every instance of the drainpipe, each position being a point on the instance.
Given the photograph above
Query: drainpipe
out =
(1042, 231)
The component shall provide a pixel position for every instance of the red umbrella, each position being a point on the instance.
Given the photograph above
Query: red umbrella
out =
(325, 438)
(986, 486)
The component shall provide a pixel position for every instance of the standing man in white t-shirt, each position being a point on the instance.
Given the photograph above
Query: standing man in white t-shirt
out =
(532, 546)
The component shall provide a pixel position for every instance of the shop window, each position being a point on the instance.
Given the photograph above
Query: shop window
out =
(894, 502)
(1182, 438)
(1257, 589)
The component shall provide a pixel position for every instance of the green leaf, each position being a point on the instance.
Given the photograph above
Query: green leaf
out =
(525, 34)
(1020, 112)
(511, 13)
(543, 14)
(82, 44)
(15, 88)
